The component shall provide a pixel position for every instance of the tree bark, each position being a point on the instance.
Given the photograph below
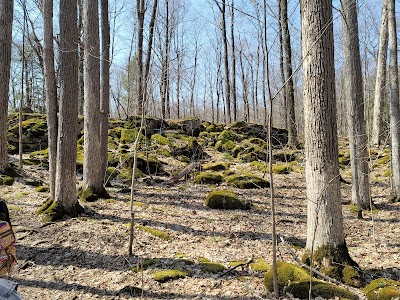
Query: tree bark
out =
(380, 83)
(324, 212)
(92, 168)
(355, 107)
(6, 17)
(290, 112)
(65, 197)
(394, 98)
(222, 8)
(105, 86)
(233, 89)
(51, 92)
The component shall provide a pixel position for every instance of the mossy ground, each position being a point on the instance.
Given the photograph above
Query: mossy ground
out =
(167, 275)
(208, 177)
(155, 232)
(90, 194)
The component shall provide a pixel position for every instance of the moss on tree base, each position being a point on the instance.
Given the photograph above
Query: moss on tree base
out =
(335, 262)
(296, 281)
(91, 194)
(54, 211)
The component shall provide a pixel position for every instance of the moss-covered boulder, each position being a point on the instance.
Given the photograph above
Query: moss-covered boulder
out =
(319, 289)
(191, 126)
(281, 168)
(182, 145)
(34, 132)
(91, 194)
(226, 199)
(211, 267)
(208, 177)
(296, 281)
(383, 289)
(287, 273)
(215, 166)
(150, 125)
(247, 181)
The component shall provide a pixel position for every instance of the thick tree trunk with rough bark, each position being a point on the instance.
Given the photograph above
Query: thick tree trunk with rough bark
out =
(66, 201)
(92, 171)
(6, 19)
(380, 82)
(105, 86)
(51, 92)
(394, 98)
(355, 107)
(290, 112)
(325, 234)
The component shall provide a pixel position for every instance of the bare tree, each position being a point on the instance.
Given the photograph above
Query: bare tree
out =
(6, 17)
(51, 92)
(222, 8)
(394, 98)
(105, 85)
(380, 82)
(290, 112)
(233, 63)
(355, 107)
(324, 213)
(65, 201)
(93, 177)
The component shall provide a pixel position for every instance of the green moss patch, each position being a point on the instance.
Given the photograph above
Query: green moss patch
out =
(247, 181)
(260, 265)
(318, 289)
(90, 194)
(208, 178)
(217, 166)
(42, 189)
(211, 267)
(382, 289)
(155, 232)
(167, 275)
(281, 169)
(226, 199)
(287, 273)
(6, 180)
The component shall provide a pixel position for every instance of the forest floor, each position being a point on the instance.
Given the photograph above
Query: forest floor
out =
(87, 257)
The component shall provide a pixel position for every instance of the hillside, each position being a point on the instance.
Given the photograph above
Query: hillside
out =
(86, 257)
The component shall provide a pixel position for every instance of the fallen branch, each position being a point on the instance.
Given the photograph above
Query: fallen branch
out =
(235, 267)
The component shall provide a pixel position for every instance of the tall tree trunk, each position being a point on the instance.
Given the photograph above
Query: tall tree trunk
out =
(394, 98)
(81, 78)
(290, 112)
(65, 201)
(380, 83)
(6, 17)
(355, 107)
(105, 86)
(233, 89)
(324, 213)
(281, 57)
(140, 11)
(92, 169)
(222, 8)
(51, 92)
